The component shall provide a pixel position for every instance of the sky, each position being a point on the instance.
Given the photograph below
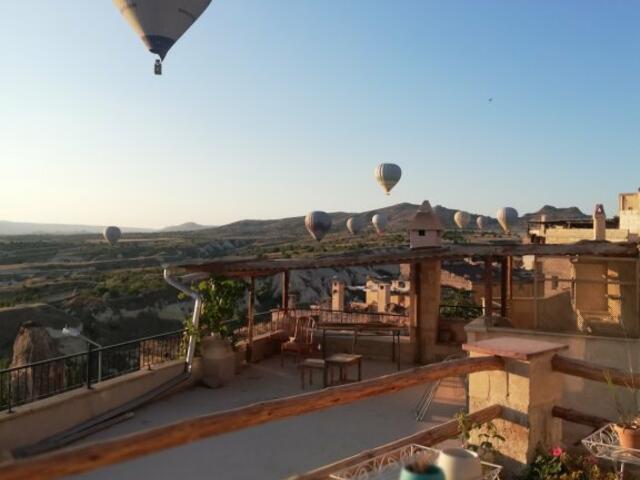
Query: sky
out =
(272, 108)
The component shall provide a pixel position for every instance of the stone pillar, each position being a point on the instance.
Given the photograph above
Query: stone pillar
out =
(425, 308)
(337, 294)
(384, 297)
(528, 389)
(599, 223)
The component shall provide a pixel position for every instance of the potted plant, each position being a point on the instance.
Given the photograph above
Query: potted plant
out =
(487, 434)
(628, 425)
(220, 300)
(421, 469)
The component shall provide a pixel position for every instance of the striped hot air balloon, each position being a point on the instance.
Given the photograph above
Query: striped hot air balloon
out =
(160, 23)
(353, 225)
(318, 224)
(461, 219)
(380, 222)
(507, 216)
(387, 175)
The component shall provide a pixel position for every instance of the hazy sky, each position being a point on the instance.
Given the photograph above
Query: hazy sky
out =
(271, 108)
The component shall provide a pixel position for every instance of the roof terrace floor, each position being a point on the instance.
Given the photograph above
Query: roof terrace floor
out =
(278, 449)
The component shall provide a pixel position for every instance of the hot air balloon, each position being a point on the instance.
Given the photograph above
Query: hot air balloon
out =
(387, 175)
(160, 23)
(461, 219)
(480, 222)
(112, 235)
(379, 221)
(507, 216)
(353, 225)
(318, 224)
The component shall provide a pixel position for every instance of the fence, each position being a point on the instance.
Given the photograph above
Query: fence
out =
(283, 320)
(34, 381)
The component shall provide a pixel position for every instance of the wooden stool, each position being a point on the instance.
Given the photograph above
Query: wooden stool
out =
(343, 361)
(311, 364)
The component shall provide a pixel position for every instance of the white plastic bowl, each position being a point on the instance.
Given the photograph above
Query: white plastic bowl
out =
(460, 464)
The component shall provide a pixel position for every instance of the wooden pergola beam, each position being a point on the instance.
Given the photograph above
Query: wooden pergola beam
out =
(265, 267)
(71, 461)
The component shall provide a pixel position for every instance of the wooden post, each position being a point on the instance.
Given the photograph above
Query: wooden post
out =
(488, 286)
(504, 285)
(416, 305)
(285, 290)
(250, 314)
(535, 294)
(510, 275)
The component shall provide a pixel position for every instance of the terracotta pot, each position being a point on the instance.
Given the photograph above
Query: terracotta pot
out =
(218, 361)
(628, 437)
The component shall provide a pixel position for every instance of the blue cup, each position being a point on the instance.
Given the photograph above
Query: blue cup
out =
(433, 472)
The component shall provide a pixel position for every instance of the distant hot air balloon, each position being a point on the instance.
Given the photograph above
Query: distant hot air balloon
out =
(480, 222)
(318, 224)
(353, 225)
(461, 219)
(507, 216)
(112, 235)
(387, 175)
(379, 221)
(160, 23)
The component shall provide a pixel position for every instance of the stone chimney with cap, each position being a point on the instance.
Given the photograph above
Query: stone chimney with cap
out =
(425, 229)
(337, 294)
(599, 223)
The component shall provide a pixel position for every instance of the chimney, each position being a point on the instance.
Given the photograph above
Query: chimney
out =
(384, 297)
(543, 227)
(599, 223)
(337, 295)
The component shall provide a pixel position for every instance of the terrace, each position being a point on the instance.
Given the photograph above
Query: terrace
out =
(232, 430)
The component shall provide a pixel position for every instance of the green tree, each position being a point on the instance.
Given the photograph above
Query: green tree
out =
(221, 299)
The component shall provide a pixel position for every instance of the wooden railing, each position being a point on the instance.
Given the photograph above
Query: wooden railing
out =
(81, 459)
(593, 371)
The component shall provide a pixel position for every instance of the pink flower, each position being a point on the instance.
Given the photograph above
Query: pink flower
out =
(557, 451)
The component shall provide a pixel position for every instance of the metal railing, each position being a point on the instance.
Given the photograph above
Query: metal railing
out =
(461, 311)
(284, 320)
(34, 381)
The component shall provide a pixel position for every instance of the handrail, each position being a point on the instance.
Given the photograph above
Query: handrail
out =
(593, 371)
(93, 350)
(429, 437)
(81, 459)
(580, 418)
(27, 383)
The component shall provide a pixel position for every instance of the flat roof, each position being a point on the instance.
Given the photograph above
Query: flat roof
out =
(257, 267)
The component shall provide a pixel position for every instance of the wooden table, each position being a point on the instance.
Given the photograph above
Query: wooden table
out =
(363, 330)
(343, 361)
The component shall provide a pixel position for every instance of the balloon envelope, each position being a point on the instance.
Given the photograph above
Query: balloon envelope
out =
(507, 216)
(112, 235)
(387, 175)
(160, 23)
(480, 221)
(461, 219)
(379, 221)
(318, 224)
(353, 225)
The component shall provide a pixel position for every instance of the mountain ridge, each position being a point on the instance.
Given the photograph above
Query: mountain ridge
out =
(398, 216)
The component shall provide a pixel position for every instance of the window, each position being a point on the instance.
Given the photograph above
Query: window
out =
(422, 233)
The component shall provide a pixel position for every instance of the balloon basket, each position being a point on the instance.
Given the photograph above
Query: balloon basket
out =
(157, 68)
